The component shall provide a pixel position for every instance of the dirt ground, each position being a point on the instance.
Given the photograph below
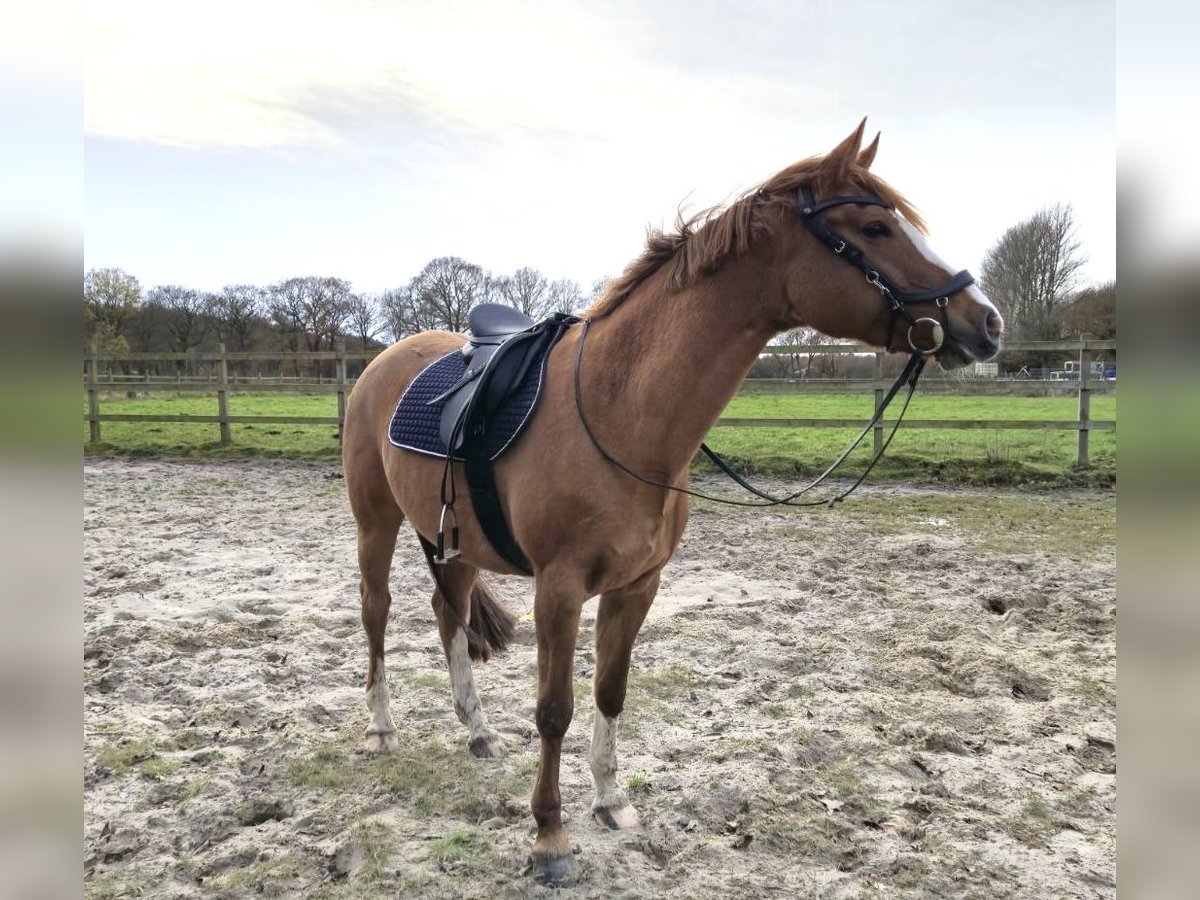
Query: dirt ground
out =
(912, 694)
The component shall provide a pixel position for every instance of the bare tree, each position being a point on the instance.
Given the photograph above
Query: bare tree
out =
(183, 314)
(564, 295)
(312, 308)
(400, 315)
(529, 291)
(1031, 271)
(599, 286)
(365, 317)
(237, 314)
(1093, 311)
(800, 363)
(439, 298)
(285, 305)
(110, 299)
(525, 290)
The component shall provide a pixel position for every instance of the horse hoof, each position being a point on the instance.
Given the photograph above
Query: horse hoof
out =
(557, 871)
(486, 746)
(381, 742)
(618, 818)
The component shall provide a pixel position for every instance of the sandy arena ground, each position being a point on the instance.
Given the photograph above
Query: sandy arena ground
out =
(910, 695)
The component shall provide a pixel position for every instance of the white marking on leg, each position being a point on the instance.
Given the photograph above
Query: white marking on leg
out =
(466, 700)
(379, 702)
(611, 805)
(918, 241)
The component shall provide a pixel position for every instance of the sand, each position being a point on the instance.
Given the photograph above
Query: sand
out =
(903, 696)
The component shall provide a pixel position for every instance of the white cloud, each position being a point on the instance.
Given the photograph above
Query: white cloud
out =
(256, 74)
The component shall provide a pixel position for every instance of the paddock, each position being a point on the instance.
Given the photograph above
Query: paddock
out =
(919, 701)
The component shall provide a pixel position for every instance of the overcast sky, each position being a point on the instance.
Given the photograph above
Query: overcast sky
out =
(255, 140)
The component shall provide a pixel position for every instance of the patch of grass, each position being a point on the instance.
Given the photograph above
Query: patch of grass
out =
(1004, 523)
(775, 710)
(663, 683)
(1094, 691)
(192, 789)
(429, 681)
(270, 878)
(374, 837)
(460, 845)
(118, 758)
(637, 782)
(1034, 823)
(800, 689)
(115, 886)
(156, 767)
(425, 774)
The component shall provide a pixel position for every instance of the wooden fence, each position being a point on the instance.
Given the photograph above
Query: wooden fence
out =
(99, 378)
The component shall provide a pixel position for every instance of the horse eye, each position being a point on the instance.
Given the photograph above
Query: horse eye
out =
(877, 230)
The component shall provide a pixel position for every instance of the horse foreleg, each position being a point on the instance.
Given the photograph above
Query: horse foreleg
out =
(453, 610)
(618, 621)
(376, 544)
(556, 618)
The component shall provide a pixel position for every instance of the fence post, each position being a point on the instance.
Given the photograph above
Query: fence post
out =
(1085, 404)
(878, 401)
(93, 398)
(223, 394)
(340, 348)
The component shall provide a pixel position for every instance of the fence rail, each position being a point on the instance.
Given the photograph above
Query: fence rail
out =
(218, 380)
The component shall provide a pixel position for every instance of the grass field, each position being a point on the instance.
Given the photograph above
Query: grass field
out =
(984, 456)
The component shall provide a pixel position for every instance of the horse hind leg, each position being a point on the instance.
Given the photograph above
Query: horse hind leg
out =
(472, 624)
(618, 620)
(376, 545)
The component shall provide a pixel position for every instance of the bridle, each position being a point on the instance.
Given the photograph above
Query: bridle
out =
(897, 300)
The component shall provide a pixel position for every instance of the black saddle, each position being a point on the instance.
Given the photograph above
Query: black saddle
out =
(503, 346)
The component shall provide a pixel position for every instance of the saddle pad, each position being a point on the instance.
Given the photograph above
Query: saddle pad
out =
(414, 424)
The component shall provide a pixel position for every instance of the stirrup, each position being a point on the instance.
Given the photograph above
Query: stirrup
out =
(440, 555)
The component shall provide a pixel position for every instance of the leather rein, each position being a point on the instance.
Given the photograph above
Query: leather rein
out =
(897, 300)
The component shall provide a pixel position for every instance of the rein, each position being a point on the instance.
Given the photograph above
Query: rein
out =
(912, 372)
(897, 300)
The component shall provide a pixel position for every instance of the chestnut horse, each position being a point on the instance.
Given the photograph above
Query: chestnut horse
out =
(668, 345)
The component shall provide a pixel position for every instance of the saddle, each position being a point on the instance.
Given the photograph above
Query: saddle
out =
(503, 346)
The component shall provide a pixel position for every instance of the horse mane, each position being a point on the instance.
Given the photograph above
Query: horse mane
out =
(701, 243)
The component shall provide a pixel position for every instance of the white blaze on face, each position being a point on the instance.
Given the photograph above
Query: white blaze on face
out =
(918, 241)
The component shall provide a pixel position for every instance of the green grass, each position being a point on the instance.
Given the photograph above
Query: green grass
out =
(977, 456)
(427, 775)
(318, 442)
(119, 758)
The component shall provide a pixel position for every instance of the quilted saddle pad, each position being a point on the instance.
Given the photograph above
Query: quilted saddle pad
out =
(415, 423)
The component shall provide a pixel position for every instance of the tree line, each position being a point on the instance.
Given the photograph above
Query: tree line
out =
(1031, 273)
(305, 313)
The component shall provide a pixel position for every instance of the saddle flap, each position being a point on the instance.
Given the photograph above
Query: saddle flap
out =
(494, 373)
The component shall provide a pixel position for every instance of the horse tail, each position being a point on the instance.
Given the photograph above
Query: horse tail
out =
(489, 627)
(492, 626)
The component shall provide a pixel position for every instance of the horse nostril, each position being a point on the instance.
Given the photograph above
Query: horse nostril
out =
(994, 325)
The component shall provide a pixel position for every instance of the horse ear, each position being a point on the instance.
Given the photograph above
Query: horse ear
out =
(868, 155)
(845, 154)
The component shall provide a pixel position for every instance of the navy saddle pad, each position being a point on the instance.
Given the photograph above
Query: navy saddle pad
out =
(415, 423)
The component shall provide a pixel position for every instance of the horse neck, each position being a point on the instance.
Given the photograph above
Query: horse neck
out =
(666, 364)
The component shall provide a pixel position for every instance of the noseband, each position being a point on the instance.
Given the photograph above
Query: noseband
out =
(897, 298)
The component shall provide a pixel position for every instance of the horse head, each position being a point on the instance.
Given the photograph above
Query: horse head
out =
(859, 265)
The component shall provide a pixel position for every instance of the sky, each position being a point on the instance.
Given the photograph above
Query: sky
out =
(250, 141)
